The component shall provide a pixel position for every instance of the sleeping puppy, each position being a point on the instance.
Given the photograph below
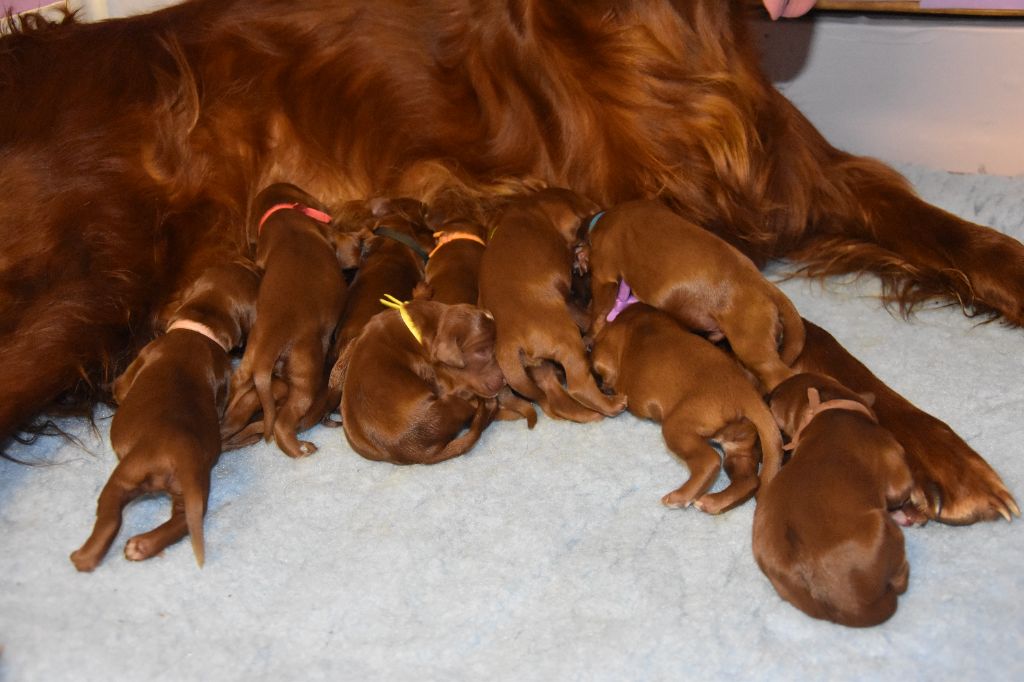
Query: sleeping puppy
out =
(415, 378)
(825, 530)
(697, 393)
(706, 284)
(300, 301)
(166, 429)
(525, 282)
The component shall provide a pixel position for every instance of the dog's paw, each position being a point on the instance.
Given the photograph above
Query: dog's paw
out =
(957, 485)
(735, 494)
(305, 449)
(295, 448)
(84, 561)
(140, 548)
(677, 500)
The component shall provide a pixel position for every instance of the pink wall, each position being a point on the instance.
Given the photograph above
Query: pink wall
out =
(22, 5)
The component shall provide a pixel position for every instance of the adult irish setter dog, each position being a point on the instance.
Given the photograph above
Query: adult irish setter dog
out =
(130, 152)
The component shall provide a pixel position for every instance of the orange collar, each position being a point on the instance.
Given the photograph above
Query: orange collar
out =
(313, 213)
(445, 237)
(816, 407)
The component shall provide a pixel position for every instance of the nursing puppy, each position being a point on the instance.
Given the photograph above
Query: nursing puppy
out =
(452, 273)
(396, 243)
(166, 429)
(300, 301)
(824, 529)
(415, 378)
(697, 393)
(525, 282)
(452, 276)
(706, 284)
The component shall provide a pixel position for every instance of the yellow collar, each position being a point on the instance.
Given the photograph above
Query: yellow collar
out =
(392, 302)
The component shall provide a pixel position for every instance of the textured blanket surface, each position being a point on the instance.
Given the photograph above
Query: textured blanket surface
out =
(540, 555)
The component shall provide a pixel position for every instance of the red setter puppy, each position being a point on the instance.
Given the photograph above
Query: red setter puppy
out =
(170, 400)
(420, 383)
(123, 172)
(824, 531)
(301, 298)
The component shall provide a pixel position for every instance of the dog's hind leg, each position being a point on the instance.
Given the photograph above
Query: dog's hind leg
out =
(739, 442)
(149, 544)
(117, 492)
(304, 374)
(579, 378)
(683, 437)
(555, 401)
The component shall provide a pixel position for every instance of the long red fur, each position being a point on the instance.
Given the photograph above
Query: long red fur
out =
(130, 151)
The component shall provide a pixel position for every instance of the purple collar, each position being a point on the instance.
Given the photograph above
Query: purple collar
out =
(623, 300)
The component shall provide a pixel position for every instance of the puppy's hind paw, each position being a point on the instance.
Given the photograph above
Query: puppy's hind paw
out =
(295, 448)
(139, 549)
(306, 448)
(677, 500)
(84, 561)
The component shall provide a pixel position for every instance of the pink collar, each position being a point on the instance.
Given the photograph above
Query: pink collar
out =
(198, 327)
(316, 215)
(623, 300)
(816, 407)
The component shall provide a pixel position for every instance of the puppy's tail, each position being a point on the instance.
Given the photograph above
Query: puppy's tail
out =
(263, 381)
(770, 438)
(195, 496)
(793, 332)
(510, 360)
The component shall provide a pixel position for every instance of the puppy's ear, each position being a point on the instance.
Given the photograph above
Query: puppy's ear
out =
(448, 353)
(447, 344)
(348, 247)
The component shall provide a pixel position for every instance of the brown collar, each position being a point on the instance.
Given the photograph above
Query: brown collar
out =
(816, 407)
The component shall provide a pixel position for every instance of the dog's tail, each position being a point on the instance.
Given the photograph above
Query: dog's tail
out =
(793, 332)
(262, 380)
(195, 493)
(770, 438)
(510, 360)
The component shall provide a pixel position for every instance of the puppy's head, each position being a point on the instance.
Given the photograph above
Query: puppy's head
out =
(400, 215)
(462, 346)
(789, 401)
(412, 210)
(567, 211)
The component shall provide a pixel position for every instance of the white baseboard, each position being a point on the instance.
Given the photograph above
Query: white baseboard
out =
(946, 93)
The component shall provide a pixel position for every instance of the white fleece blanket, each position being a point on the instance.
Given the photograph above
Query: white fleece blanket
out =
(540, 555)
